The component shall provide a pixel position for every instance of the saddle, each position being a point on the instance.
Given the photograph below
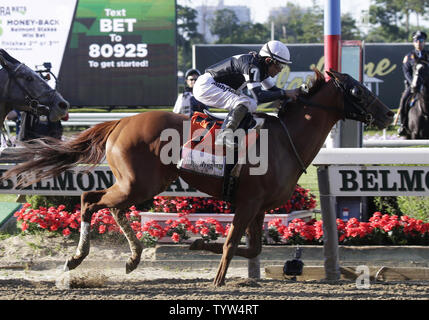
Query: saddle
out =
(200, 154)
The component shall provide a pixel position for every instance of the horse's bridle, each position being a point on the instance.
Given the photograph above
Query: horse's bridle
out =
(351, 109)
(32, 103)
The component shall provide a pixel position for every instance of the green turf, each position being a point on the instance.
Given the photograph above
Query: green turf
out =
(309, 181)
(8, 197)
(7, 209)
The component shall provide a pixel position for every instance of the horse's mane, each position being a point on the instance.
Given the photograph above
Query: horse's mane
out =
(316, 82)
(8, 57)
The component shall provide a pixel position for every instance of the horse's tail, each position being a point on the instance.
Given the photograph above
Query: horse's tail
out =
(50, 157)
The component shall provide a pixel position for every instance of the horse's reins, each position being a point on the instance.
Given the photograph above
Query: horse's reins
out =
(301, 163)
(345, 113)
(318, 105)
(308, 103)
(366, 116)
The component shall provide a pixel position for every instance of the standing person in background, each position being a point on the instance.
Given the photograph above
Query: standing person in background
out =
(186, 102)
(15, 116)
(412, 58)
(6, 140)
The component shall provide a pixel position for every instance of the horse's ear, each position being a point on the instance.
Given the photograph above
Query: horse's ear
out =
(3, 60)
(319, 75)
(330, 74)
(334, 72)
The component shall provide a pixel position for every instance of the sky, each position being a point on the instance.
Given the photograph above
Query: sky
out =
(260, 8)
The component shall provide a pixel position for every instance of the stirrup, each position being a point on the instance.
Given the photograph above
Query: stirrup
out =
(211, 115)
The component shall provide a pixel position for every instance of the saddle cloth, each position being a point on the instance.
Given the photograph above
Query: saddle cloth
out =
(200, 154)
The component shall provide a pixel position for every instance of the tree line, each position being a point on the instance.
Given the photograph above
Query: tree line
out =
(386, 21)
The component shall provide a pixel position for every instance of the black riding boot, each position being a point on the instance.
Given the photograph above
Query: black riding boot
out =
(232, 121)
(403, 114)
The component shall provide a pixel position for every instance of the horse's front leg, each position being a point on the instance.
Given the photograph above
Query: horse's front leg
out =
(241, 220)
(229, 248)
(134, 243)
(254, 232)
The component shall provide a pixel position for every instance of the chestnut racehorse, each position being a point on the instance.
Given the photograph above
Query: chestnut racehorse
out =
(133, 145)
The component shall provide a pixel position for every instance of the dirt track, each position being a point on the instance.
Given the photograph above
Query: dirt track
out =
(154, 283)
(201, 288)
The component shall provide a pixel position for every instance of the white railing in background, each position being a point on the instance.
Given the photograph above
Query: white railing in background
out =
(371, 156)
(91, 119)
(394, 143)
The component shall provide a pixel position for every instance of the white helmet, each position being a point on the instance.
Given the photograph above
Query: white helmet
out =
(276, 50)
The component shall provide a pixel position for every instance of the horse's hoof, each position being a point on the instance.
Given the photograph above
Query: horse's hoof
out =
(197, 245)
(131, 266)
(71, 264)
(218, 284)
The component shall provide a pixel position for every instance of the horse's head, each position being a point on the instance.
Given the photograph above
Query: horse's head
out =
(360, 103)
(24, 89)
(420, 76)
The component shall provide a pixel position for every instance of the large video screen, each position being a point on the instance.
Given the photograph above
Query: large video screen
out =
(121, 53)
(104, 52)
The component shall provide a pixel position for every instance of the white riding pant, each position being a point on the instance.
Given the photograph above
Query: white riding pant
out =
(219, 95)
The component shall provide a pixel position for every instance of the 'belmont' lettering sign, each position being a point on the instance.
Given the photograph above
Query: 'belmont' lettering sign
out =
(75, 181)
(379, 181)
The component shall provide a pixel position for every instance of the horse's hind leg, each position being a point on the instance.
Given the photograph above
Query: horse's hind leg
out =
(88, 207)
(118, 197)
(114, 197)
(134, 243)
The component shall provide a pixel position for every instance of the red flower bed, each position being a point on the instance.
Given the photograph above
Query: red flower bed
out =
(57, 220)
(51, 219)
(380, 230)
(211, 229)
(60, 221)
(186, 205)
(301, 199)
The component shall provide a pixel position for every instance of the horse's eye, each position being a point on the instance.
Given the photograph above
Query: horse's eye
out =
(355, 91)
(29, 78)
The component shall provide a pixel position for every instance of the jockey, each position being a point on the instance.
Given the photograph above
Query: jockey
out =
(220, 86)
(186, 102)
(408, 65)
